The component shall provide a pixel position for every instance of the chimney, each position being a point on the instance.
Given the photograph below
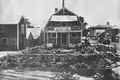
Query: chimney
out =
(56, 9)
(108, 23)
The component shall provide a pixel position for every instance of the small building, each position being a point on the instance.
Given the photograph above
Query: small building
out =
(63, 28)
(110, 34)
(98, 29)
(30, 41)
(33, 37)
(13, 35)
(101, 32)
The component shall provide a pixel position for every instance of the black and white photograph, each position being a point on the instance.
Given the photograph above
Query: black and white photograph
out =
(59, 39)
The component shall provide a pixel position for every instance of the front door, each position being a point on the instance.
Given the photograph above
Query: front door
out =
(64, 38)
(58, 39)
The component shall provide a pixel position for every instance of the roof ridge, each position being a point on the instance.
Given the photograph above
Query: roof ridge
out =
(72, 13)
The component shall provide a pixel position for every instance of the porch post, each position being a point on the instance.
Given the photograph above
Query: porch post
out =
(68, 38)
(56, 38)
(44, 37)
(60, 39)
(81, 36)
(18, 40)
(47, 37)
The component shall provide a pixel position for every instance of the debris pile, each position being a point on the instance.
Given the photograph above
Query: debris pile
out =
(59, 58)
(70, 76)
(37, 50)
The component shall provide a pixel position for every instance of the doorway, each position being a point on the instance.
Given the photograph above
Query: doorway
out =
(64, 39)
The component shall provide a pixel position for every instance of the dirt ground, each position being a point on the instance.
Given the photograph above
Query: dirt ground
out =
(26, 75)
(45, 74)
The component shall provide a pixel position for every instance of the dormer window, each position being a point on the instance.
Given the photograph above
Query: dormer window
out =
(22, 28)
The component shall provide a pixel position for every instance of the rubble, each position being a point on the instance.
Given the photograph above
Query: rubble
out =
(70, 76)
(86, 57)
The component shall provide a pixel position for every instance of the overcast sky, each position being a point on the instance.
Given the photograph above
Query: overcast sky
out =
(39, 11)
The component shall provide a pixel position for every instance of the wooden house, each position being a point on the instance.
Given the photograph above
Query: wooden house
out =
(63, 28)
(110, 33)
(101, 32)
(13, 35)
(98, 29)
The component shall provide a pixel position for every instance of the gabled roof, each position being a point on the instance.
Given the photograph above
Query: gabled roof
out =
(63, 17)
(34, 31)
(64, 11)
(30, 36)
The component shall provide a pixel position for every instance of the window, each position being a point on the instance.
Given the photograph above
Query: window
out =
(22, 28)
(4, 40)
(53, 35)
(74, 35)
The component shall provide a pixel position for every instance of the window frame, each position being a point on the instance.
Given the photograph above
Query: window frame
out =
(52, 35)
(22, 29)
(74, 36)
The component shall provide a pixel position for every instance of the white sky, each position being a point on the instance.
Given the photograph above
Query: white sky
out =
(94, 11)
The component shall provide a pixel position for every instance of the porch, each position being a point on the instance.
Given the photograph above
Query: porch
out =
(62, 38)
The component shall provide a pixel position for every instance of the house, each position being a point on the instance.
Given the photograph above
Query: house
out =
(98, 29)
(63, 28)
(101, 32)
(13, 34)
(110, 34)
